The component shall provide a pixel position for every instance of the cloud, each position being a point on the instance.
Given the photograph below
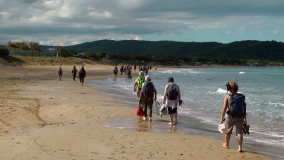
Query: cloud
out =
(261, 33)
(241, 30)
(275, 32)
(228, 32)
(70, 21)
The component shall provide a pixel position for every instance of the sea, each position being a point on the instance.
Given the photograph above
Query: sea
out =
(203, 91)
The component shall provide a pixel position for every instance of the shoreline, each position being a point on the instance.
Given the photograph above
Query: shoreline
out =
(57, 120)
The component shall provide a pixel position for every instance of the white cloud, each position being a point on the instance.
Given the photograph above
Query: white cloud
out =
(138, 38)
(127, 19)
(275, 32)
(241, 30)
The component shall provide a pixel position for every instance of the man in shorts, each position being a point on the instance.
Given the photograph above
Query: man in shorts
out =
(231, 120)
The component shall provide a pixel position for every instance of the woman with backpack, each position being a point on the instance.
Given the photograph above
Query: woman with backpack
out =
(82, 75)
(172, 99)
(235, 109)
(148, 95)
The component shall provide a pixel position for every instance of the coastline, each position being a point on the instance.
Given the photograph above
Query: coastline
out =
(43, 118)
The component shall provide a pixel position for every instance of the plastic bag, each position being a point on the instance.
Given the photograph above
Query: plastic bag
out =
(163, 110)
(140, 111)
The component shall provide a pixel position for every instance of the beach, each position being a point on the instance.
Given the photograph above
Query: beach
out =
(44, 118)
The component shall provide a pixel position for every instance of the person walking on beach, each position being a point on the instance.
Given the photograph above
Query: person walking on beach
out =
(82, 75)
(129, 76)
(234, 114)
(121, 70)
(172, 99)
(148, 94)
(138, 85)
(74, 72)
(60, 72)
(146, 70)
(115, 70)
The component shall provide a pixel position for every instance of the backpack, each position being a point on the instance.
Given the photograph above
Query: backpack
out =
(148, 90)
(140, 81)
(237, 105)
(60, 71)
(82, 72)
(127, 72)
(172, 92)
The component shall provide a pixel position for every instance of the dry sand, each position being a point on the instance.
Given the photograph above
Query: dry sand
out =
(44, 118)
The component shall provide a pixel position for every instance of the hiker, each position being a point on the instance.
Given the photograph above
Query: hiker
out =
(121, 70)
(235, 109)
(172, 99)
(128, 73)
(147, 96)
(150, 68)
(146, 70)
(155, 67)
(82, 75)
(60, 72)
(138, 85)
(74, 72)
(115, 70)
(134, 68)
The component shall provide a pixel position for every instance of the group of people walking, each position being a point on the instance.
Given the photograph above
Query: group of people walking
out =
(233, 111)
(147, 94)
(82, 74)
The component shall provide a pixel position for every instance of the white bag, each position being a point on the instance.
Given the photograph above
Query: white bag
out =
(163, 110)
(223, 128)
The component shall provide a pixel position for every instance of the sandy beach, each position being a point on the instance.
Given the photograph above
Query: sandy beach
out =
(44, 118)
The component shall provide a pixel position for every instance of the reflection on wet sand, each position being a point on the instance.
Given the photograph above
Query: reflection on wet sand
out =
(171, 129)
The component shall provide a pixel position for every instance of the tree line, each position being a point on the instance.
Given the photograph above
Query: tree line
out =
(242, 50)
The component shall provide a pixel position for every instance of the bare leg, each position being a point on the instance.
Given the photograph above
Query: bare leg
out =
(171, 119)
(176, 121)
(240, 142)
(227, 139)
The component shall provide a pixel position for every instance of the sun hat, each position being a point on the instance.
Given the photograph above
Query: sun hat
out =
(147, 78)
(223, 129)
(171, 79)
(141, 73)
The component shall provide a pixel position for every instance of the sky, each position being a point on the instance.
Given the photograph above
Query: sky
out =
(70, 22)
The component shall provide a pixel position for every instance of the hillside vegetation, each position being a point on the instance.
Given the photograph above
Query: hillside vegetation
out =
(258, 50)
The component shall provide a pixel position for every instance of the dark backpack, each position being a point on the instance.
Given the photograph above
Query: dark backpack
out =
(237, 105)
(148, 90)
(82, 72)
(172, 92)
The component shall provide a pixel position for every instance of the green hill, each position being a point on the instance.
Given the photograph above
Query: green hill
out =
(264, 50)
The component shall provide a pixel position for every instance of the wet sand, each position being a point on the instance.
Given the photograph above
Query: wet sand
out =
(44, 118)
